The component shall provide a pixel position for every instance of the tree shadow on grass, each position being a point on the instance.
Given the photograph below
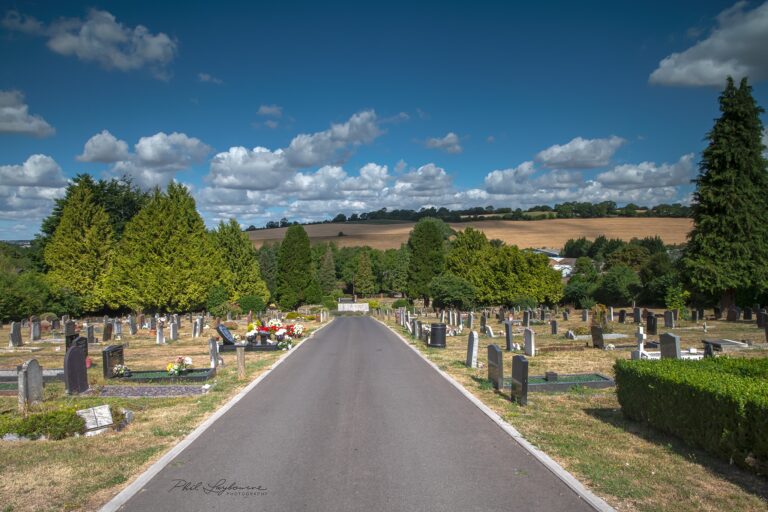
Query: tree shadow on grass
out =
(747, 481)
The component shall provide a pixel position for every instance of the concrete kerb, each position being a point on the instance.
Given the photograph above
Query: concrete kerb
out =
(134, 487)
(568, 479)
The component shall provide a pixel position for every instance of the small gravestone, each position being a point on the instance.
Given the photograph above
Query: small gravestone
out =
(508, 334)
(669, 345)
(597, 337)
(176, 320)
(153, 322)
(14, 337)
(213, 350)
(489, 331)
(34, 330)
(636, 317)
(542, 314)
(762, 316)
(520, 380)
(132, 327)
(553, 327)
(694, 316)
(160, 336)
(226, 336)
(483, 321)
(718, 313)
(117, 329)
(530, 342)
(640, 339)
(112, 356)
(472, 344)
(495, 366)
(174, 334)
(69, 333)
(77, 341)
(585, 315)
(651, 324)
(565, 315)
(75, 373)
(610, 314)
(90, 337)
(526, 319)
(140, 321)
(732, 315)
(30, 384)
(106, 333)
(622, 316)
(97, 419)
(570, 335)
(748, 314)
(669, 320)
(471, 320)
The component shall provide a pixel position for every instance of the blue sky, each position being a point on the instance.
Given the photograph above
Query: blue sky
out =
(306, 110)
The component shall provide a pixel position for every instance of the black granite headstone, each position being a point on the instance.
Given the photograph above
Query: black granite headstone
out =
(112, 356)
(75, 373)
(226, 336)
(495, 366)
(520, 380)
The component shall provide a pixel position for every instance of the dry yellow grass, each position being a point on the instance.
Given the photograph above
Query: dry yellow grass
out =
(543, 233)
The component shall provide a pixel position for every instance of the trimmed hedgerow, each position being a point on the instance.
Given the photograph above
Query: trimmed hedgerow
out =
(52, 424)
(720, 405)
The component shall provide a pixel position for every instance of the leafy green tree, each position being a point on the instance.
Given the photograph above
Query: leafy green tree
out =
(364, 281)
(395, 269)
(241, 260)
(327, 275)
(427, 246)
(728, 246)
(618, 286)
(268, 266)
(80, 249)
(296, 279)
(657, 275)
(633, 256)
(166, 260)
(576, 248)
(581, 287)
(449, 290)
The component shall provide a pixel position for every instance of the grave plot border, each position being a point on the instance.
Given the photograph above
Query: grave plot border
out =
(195, 375)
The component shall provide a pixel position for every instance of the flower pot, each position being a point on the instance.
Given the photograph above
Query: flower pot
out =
(264, 337)
(281, 337)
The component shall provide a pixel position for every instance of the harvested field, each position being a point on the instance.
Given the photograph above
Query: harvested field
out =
(543, 233)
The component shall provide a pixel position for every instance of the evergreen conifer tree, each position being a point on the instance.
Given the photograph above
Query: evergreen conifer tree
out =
(80, 249)
(327, 275)
(268, 266)
(296, 278)
(728, 247)
(427, 246)
(241, 260)
(364, 281)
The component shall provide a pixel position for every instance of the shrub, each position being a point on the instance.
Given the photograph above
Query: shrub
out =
(251, 303)
(400, 303)
(720, 405)
(53, 424)
(292, 315)
(373, 304)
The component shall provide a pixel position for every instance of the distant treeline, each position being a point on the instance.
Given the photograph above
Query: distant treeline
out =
(568, 210)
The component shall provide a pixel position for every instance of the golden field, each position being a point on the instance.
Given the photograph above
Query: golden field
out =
(551, 233)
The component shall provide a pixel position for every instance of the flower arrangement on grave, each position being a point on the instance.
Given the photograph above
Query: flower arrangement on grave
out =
(280, 334)
(294, 330)
(286, 343)
(179, 366)
(120, 370)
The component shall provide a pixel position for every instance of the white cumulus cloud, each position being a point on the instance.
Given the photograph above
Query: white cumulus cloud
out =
(649, 175)
(581, 153)
(101, 38)
(450, 143)
(15, 116)
(735, 47)
(105, 148)
(27, 190)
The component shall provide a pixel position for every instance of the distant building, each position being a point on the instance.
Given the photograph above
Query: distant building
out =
(351, 305)
(552, 253)
(564, 265)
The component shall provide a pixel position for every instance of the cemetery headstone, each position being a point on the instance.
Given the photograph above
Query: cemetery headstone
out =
(636, 316)
(174, 334)
(471, 320)
(106, 333)
(718, 313)
(97, 419)
(89, 335)
(69, 332)
(748, 314)
(553, 327)
(526, 319)
(77, 341)
(14, 337)
(669, 320)
(112, 356)
(160, 337)
(762, 316)
(530, 342)
(153, 322)
(694, 315)
(701, 313)
(570, 335)
(542, 314)
(670, 346)
(622, 316)
(132, 327)
(117, 330)
(30, 384)
(472, 344)
(565, 315)
(495, 367)
(610, 313)
(213, 350)
(520, 380)
(651, 324)
(585, 315)
(508, 334)
(733, 315)
(34, 330)
(75, 375)
(597, 337)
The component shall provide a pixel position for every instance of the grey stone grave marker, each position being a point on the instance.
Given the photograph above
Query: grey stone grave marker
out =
(89, 336)
(636, 317)
(530, 342)
(213, 350)
(669, 320)
(174, 334)
(75, 374)
(584, 315)
(160, 337)
(34, 330)
(520, 380)
(112, 356)
(553, 327)
(732, 316)
(495, 367)
(132, 325)
(472, 344)
(597, 337)
(97, 419)
(30, 384)
(762, 316)
(14, 337)
(610, 314)
(694, 315)
(508, 334)
(670, 346)
(526, 319)
(117, 330)
(651, 324)
(565, 315)
(106, 333)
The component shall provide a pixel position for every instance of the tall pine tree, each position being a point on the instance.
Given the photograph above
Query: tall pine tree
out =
(427, 246)
(80, 249)
(268, 266)
(242, 261)
(296, 278)
(166, 260)
(327, 275)
(728, 246)
(364, 280)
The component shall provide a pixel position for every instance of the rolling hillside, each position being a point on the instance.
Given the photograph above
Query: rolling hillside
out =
(544, 233)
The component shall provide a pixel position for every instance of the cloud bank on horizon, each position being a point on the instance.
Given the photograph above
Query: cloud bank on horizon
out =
(313, 176)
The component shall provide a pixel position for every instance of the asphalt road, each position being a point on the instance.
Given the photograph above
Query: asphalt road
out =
(355, 421)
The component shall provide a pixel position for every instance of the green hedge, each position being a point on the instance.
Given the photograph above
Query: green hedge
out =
(718, 404)
(53, 424)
